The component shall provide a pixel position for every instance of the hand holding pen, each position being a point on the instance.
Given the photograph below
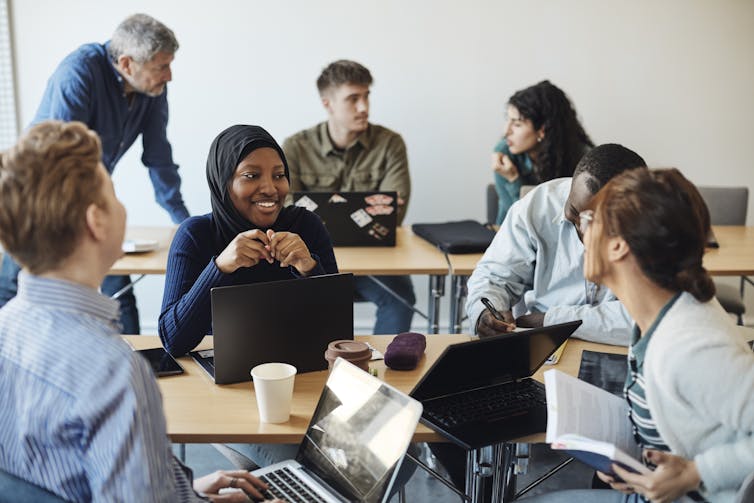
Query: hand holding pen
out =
(496, 322)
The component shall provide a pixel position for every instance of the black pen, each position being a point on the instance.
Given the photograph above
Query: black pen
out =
(496, 313)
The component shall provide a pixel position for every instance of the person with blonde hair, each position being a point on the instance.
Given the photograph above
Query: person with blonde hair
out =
(80, 412)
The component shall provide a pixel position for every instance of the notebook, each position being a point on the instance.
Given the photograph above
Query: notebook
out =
(354, 445)
(289, 321)
(481, 392)
(354, 218)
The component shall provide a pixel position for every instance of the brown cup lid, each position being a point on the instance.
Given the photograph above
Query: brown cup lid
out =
(349, 350)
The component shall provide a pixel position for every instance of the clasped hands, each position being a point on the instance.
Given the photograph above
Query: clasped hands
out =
(251, 247)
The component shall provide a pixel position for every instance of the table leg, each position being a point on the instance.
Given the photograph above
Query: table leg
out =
(492, 465)
(127, 287)
(436, 291)
(457, 298)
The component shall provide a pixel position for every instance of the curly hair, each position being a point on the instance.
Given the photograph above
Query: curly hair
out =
(47, 182)
(565, 140)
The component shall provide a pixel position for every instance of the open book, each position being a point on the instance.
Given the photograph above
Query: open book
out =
(590, 424)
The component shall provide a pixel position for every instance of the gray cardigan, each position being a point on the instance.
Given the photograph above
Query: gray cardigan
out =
(699, 375)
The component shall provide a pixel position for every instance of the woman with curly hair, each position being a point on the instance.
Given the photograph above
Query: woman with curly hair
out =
(543, 140)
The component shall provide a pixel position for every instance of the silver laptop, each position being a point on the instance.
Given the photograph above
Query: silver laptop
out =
(289, 321)
(355, 443)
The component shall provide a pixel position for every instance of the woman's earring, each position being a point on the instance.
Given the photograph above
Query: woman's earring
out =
(539, 140)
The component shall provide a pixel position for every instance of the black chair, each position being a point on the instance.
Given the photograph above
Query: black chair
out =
(728, 206)
(16, 490)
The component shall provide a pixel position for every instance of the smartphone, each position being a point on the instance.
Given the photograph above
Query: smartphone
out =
(163, 364)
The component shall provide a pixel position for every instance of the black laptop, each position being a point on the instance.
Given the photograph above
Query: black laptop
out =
(290, 321)
(354, 218)
(481, 392)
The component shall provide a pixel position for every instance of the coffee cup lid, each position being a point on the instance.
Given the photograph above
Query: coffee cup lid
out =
(347, 349)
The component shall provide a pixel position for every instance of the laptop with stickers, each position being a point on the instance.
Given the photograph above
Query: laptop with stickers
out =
(354, 218)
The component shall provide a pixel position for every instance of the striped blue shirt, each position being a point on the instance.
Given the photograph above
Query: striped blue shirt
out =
(644, 425)
(80, 413)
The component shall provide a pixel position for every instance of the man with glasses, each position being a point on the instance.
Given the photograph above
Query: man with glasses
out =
(533, 272)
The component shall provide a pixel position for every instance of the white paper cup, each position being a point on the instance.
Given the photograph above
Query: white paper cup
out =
(273, 387)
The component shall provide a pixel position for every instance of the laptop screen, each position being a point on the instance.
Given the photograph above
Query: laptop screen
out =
(493, 360)
(358, 434)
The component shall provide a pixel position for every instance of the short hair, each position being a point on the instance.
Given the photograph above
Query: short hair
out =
(604, 162)
(341, 72)
(141, 37)
(47, 182)
(665, 221)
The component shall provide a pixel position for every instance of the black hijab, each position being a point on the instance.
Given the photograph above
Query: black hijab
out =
(228, 149)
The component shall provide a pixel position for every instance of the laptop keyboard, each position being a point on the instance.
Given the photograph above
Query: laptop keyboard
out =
(285, 484)
(488, 404)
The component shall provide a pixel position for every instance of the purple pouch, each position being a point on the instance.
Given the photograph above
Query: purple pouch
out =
(405, 351)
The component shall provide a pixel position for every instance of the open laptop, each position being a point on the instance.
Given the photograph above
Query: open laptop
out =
(289, 321)
(481, 392)
(355, 443)
(354, 218)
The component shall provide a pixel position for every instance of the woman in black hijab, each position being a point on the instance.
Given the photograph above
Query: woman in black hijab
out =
(248, 238)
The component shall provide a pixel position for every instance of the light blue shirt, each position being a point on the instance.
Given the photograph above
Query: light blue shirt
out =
(537, 258)
(80, 413)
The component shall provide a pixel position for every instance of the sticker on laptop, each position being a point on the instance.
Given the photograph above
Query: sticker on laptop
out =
(361, 218)
(378, 199)
(379, 209)
(337, 198)
(307, 202)
(379, 229)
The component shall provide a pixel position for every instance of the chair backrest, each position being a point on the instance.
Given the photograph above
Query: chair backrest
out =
(492, 200)
(727, 205)
(525, 189)
(491, 203)
(16, 490)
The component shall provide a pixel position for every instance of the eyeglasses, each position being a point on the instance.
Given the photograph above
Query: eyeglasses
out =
(585, 218)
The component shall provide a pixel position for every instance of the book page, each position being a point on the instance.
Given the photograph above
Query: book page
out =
(577, 407)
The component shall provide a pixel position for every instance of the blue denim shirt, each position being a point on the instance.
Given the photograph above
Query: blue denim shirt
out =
(86, 87)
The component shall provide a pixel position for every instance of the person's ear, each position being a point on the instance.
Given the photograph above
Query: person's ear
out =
(617, 249)
(326, 103)
(540, 134)
(96, 223)
(125, 64)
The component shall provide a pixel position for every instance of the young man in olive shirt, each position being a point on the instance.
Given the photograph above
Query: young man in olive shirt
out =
(347, 153)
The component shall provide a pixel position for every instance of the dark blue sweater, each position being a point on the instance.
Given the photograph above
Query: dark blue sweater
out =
(186, 315)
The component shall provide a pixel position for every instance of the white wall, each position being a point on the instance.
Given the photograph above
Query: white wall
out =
(672, 80)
